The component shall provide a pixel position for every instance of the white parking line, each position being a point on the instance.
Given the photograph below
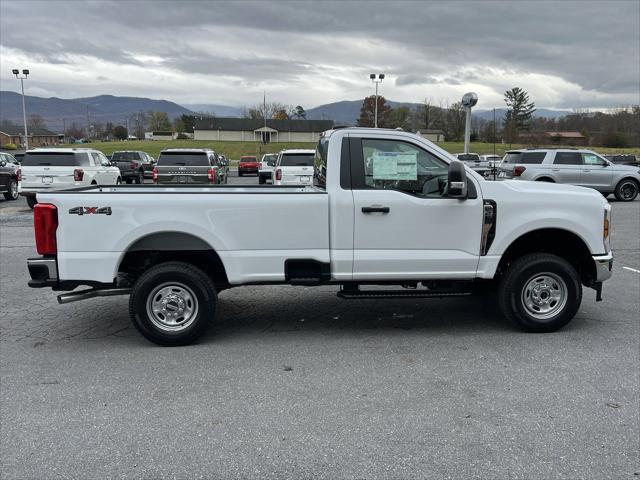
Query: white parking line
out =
(631, 269)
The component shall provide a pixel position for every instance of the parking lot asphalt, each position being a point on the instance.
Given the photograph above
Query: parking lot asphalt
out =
(293, 382)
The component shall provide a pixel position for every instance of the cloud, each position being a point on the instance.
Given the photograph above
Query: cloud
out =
(312, 53)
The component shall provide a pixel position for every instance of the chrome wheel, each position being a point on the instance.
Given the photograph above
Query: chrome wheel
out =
(628, 190)
(544, 295)
(172, 306)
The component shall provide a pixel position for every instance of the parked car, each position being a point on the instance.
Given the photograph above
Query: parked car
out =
(492, 161)
(573, 166)
(422, 220)
(248, 164)
(294, 167)
(474, 161)
(188, 166)
(10, 174)
(623, 159)
(134, 165)
(267, 164)
(53, 169)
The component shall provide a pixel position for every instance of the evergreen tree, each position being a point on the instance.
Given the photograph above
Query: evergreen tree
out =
(519, 112)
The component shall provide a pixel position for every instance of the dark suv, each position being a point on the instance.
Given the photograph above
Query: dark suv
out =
(134, 165)
(189, 166)
(9, 176)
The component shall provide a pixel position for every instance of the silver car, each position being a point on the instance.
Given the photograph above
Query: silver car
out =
(573, 166)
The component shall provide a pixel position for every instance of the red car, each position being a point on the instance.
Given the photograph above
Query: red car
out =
(248, 164)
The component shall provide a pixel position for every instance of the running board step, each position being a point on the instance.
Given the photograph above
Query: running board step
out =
(349, 295)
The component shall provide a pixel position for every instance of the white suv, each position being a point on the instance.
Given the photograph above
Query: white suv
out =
(50, 169)
(294, 167)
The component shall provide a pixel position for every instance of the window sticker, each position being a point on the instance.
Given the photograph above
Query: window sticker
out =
(395, 165)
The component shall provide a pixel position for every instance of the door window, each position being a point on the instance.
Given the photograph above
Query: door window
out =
(397, 165)
(568, 158)
(592, 159)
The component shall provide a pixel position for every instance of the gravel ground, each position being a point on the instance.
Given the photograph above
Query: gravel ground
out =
(294, 383)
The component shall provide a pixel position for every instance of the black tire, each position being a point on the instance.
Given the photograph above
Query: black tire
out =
(118, 181)
(140, 178)
(239, 173)
(12, 194)
(155, 282)
(128, 181)
(32, 201)
(515, 287)
(627, 190)
(262, 180)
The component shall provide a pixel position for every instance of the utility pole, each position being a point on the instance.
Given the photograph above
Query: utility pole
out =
(376, 78)
(25, 74)
(88, 126)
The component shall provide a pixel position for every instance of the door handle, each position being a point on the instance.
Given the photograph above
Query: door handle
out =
(555, 170)
(375, 209)
(586, 171)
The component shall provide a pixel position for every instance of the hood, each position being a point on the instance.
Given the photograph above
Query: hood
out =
(559, 190)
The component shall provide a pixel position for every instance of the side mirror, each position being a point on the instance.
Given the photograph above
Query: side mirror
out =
(457, 181)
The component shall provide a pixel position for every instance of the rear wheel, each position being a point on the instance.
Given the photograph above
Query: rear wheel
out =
(261, 180)
(627, 190)
(128, 181)
(118, 181)
(172, 304)
(31, 201)
(12, 194)
(540, 293)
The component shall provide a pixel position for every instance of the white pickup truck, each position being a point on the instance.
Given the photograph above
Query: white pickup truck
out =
(387, 208)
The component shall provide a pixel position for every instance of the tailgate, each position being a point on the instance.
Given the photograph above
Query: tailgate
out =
(47, 177)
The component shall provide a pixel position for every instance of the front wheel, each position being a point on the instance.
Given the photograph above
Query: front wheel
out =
(627, 190)
(172, 304)
(12, 194)
(540, 293)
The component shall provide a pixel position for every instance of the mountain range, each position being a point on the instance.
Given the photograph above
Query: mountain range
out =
(56, 112)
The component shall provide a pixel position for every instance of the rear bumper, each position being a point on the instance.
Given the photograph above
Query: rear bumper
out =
(603, 265)
(43, 272)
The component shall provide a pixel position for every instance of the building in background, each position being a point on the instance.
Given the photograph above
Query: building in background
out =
(432, 135)
(38, 136)
(254, 130)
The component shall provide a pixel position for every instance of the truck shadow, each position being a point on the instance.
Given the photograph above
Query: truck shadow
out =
(255, 314)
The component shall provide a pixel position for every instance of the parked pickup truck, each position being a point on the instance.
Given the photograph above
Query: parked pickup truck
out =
(387, 207)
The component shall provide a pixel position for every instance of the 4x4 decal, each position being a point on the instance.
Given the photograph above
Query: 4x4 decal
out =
(90, 210)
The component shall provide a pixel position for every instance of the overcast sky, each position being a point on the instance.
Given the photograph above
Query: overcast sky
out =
(566, 54)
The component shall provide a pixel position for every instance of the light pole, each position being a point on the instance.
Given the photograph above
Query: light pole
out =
(468, 100)
(22, 77)
(376, 78)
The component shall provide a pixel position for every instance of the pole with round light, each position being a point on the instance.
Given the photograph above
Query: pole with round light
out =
(25, 74)
(376, 78)
(468, 100)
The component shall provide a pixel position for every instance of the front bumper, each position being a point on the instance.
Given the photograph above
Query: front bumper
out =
(43, 272)
(603, 265)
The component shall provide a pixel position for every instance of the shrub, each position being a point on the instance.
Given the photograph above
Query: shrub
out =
(10, 146)
(615, 140)
(182, 136)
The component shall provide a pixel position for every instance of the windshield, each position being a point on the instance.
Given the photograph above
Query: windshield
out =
(191, 159)
(55, 159)
(297, 160)
(124, 156)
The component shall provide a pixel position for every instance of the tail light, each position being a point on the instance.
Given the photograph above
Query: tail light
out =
(19, 174)
(78, 174)
(45, 222)
(133, 165)
(154, 175)
(212, 175)
(519, 170)
(261, 166)
(278, 174)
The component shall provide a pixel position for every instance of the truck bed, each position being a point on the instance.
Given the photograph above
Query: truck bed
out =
(253, 230)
